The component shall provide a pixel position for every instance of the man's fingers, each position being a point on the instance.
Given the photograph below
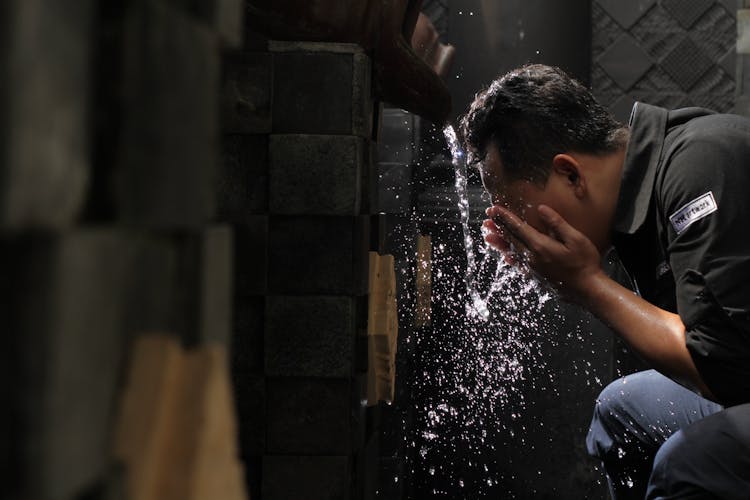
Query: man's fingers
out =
(530, 237)
(494, 236)
(559, 226)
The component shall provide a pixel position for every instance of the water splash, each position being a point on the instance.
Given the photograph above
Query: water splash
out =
(476, 307)
(475, 374)
(479, 359)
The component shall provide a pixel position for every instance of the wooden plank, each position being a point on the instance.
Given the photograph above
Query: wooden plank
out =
(382, 329)
(176, 432)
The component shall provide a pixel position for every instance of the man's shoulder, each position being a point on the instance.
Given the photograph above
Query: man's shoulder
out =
(713, 125)
(720, 135)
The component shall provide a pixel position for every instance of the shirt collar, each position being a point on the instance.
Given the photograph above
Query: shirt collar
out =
(647, 130)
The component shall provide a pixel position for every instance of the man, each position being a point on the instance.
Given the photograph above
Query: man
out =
(671, 193)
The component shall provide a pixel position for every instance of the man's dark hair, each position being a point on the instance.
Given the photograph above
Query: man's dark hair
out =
(534, 113)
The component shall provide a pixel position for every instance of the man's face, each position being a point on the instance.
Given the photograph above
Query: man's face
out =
(520, 196)
(523, 197)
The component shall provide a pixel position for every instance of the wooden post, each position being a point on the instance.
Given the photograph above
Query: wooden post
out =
(176, 431)
(382, 329)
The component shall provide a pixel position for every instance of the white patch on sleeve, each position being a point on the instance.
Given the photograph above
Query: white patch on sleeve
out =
(694, 211)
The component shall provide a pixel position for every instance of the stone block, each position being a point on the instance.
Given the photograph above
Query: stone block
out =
(311, 478)
(226, 17)
(250, 395)
(369, 182)
(181, 284)
(62, 303)
(71, 303)
(316, 174)
(361, 363)
(45, 149)
(247, 338)
(322, 88)
(309, 416)
(168, 142)
(318, 255)
(246, 93)
(242, 178)
(394, 188)
(377, 233)
(359, 412)
(215, 286)
(310, 336)
(251, 256)
(229, 20)
(367, 464)
(254, 476)
(162, 293)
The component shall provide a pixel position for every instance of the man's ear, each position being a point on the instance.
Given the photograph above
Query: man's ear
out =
(569, 168)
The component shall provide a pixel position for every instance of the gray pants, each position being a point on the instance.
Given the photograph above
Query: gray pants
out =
(658, 440)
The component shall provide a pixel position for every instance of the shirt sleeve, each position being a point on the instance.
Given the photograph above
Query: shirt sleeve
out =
(702, 202)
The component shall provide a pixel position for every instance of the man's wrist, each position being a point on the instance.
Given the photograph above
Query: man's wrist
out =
(590, 287)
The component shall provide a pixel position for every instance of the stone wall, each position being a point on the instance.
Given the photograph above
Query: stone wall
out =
(296, 185)
(109, 153)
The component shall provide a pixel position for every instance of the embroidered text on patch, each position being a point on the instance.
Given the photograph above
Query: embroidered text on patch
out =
(693, 211)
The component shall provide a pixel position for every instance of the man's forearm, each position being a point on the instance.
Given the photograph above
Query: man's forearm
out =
(656, 335)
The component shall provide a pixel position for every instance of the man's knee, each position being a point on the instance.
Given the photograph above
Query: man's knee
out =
(708, 459)
(625, 424)
(674, 471)
(606, 429)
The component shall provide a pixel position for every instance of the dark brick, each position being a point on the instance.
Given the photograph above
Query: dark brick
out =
(309, 336)
(253, 476)
(250, 395)
(316, 174)
(215, 287)
(318, 255)
(361, 354)
(180, 284)
(71, 304)
(308, 416)
(321, 88)
(61, 301)
(246, 93)
(224, 16)
(45, 68)
(169, 136)
(369, 182)
(359, 412)
(247, 338)
(157, 287)
(243, 177)
(251, 256)
(228, 21)
(367, 464)
(311, 478)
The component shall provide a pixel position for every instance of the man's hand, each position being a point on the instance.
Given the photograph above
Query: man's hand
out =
(564, 256)
(570, 261)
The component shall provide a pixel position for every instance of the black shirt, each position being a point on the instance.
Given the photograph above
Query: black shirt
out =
(682, 229)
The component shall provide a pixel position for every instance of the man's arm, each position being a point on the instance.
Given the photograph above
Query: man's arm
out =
(571, 263)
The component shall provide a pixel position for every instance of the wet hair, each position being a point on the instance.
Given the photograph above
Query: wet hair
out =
(534, 113)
